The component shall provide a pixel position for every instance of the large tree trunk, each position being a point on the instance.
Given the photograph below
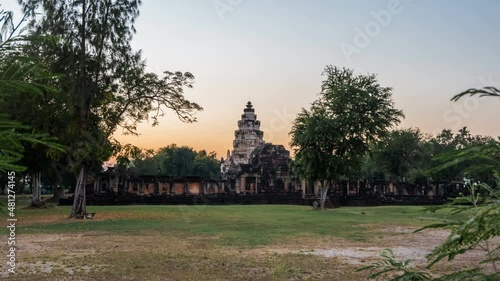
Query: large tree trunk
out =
(79, 209)
(36, 200)
(322, 194)
(79, 205)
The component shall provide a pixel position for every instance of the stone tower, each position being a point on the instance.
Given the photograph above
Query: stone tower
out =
(247, 137)
(254, 166)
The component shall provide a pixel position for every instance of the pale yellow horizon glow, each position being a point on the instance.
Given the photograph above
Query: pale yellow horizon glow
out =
(272, 53)
(214, 131)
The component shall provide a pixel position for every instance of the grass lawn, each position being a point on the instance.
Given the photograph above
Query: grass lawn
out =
(237, 242)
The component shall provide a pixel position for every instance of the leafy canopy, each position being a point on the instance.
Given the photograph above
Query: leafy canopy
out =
(20, 75)
(351, 112)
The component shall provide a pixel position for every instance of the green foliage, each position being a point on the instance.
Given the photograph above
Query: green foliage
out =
(402, 154)
(105, 86)
(474, 232)
(13, 137)
(314, 159)
(138, 94)
(391, 266)
(477, 156)
(206, 165)
(105, 81)
(408, 154)
(482, 224)
(178, 161)
(459, 155)
(25, 77)
(351, 113)
(480, 161)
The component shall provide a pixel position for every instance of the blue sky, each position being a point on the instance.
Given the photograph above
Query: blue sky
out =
(273, 53)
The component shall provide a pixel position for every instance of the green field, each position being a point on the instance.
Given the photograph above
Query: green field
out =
(250, 242)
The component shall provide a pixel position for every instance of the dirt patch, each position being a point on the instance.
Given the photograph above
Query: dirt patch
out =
(361, 255)
(152, 253)
(36, 243)
(403, 241)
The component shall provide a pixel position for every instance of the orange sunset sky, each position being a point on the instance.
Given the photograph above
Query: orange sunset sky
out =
(273, 53)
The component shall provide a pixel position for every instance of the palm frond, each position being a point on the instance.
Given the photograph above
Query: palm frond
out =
(484, 92)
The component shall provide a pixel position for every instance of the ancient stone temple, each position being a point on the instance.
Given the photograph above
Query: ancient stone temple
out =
(253, 165)
(247, 138)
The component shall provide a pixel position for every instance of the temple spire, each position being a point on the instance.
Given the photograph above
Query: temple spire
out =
(247, 137)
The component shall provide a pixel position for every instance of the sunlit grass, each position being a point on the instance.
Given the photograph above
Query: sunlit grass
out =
(242, 225)
(202, 242)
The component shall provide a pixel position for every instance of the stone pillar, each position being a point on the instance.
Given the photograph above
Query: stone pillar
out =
(243, 184)
(237, 183)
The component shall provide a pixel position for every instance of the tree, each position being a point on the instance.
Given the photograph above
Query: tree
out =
(403, 154)
(315, 159)
(105, 82)
(21, 77)
(28, 83)
(146, 163)
(206, 165)
(482, 224)
(330, 139)
(44, 116)
(444, 146)
(178, 161)
(58, 176)
(476, 232)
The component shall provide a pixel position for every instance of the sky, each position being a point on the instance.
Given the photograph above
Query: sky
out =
(273, 52)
